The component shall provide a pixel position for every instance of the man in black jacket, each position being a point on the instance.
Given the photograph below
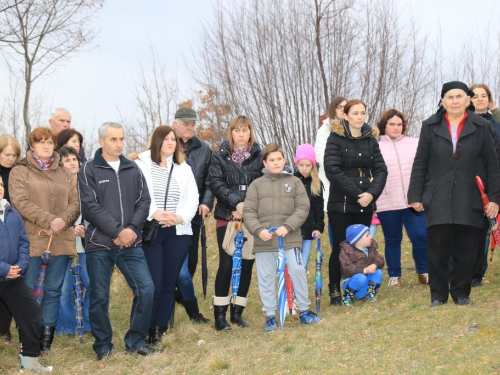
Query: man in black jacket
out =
(115, 202)
(198, 154)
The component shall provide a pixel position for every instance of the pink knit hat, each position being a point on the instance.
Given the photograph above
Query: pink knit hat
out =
(305, 151)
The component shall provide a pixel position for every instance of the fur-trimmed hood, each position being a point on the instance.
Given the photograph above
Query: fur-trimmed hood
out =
(341, 128)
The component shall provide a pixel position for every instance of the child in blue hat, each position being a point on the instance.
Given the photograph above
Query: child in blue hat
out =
(361, 265)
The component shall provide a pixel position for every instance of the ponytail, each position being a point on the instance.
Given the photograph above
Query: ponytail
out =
(315, 183)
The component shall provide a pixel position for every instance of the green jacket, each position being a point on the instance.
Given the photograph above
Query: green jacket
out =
(274, 200)
(496, 114)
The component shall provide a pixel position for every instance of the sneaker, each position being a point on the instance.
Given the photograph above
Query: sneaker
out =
(147, 350)
(31, 363)
(463, 301)
(394, 282)
(271, 323)
(308, 317)
(423, 278)
(370, 298)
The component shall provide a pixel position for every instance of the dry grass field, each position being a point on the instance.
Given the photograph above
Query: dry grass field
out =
(400, 334)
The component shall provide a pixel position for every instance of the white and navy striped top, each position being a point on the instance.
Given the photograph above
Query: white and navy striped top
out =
(160, 178)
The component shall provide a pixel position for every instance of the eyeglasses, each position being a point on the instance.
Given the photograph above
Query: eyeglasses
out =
(340, 107)
(43, 143)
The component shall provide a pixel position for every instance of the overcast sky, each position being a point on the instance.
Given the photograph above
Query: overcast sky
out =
(92, 84)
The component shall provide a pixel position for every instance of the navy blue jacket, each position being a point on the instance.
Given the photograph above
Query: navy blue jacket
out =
(14, 243)
(112, 201)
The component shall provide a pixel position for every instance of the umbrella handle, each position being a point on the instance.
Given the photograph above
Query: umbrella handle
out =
(40, 234)
(272, 229)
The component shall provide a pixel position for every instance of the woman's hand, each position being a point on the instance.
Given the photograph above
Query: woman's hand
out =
(417, 206)
(316, 233)
(492, 210)
(57, 225)
(236, 215)
(80, 230)
(239, 208)
(14, 272)
(365, 199)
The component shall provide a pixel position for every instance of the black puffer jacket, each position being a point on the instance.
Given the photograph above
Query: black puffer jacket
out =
(316, 218)
(199, 155)
(353, 166)
(228, 181)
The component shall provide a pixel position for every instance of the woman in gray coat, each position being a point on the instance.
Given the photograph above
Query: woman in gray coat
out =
(455, 146)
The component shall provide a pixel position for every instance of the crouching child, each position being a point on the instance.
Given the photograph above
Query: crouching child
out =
(278, 199)
(361, 265)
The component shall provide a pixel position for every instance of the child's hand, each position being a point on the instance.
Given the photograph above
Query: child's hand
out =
(265, 235)
(370, 269)
(281, 231)
(316, 233)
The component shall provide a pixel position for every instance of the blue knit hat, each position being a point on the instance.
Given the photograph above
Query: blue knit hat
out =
(354, 233)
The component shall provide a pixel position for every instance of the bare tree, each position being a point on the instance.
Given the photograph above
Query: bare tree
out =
(37, 35)
(280, 62)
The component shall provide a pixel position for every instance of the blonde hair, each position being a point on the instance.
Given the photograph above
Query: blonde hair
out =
(8, 140)
(315, 182)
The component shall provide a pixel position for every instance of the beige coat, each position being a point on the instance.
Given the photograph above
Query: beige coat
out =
(274, 200)
(41, 197)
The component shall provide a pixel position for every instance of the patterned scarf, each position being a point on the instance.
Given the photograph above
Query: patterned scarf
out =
(45, 165)
(239, 156)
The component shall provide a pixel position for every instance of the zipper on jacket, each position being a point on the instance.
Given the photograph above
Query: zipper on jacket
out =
(345, 201)
(120, 195)
(400, 172)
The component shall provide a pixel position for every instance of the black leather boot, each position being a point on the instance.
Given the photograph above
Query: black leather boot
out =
(154, 336)
(236, 310)
(193, 311)
(220, 310)
(47, 338)
(335, 296)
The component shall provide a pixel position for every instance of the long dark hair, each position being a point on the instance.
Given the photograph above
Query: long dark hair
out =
(157, 139)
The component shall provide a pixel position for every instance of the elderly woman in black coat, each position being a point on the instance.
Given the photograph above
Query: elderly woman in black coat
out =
(357, 173)
(455, 146)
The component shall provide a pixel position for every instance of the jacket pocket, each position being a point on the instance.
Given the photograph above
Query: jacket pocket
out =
(427, 195)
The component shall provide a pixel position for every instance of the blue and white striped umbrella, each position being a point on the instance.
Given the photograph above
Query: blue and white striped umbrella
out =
(318, 284)
(281, 261)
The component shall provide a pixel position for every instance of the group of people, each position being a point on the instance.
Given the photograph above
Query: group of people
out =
(144, 214)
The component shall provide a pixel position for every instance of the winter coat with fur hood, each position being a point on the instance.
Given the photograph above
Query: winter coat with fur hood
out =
(353, 165)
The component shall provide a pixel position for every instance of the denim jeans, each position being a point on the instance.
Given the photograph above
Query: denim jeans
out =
(66, 321)
(185, 282)
(165, 257)
(132, 264)
(52, 285)
(392, 224)
(359, 283)
(306, 251)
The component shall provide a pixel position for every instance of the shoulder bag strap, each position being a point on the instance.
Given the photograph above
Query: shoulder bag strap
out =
(168, 185)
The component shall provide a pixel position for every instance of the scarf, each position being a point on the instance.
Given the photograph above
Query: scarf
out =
(239, 156)
(45, 165)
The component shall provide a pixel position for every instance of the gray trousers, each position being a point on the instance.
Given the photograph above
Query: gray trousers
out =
(266, 274)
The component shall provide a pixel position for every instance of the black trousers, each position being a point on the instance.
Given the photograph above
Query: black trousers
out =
(460, 242)
(339, 222)
(27, 313)
(479, 264)
(224, 273)
(193, 250)
(5, 319)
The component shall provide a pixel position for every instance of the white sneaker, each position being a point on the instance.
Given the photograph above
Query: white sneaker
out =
(31, 363)
(394, 282)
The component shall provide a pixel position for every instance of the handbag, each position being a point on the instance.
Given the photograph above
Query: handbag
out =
(228, 242)
(150, 228)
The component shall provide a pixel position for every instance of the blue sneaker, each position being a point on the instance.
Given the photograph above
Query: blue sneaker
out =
(308, 317)
(271, 323)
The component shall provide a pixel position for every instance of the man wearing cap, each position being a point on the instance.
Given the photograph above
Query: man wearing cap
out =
(455, 146)
(199, 154)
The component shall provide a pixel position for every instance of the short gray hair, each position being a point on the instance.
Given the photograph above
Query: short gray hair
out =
(57, 111)
(105, 126)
